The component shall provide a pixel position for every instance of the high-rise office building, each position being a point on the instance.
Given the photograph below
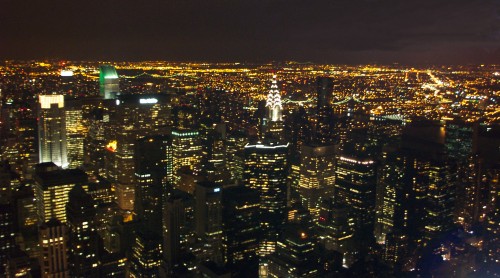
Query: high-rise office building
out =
(395, 196)
(460, 140)
(324, 111)
(52, 130)
(266, 168)
(208, 219)
(241, 223)
(27, 136)
(175, 226)
(18, 264)
(355, 186)
(492, 237)
(235, 144)
(7, 231)
(335, 228)
(186, 151)
(53, 238)
(52, 186)
(146, 255)
(213, 164)
(317, 176)
(396, 199)
(76, 132)
(109, 82)
(136, 116)
(440, 181)
(83, 241)
(294, 255)
(153, 161)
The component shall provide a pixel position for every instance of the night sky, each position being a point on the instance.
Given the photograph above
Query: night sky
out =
(335, 31)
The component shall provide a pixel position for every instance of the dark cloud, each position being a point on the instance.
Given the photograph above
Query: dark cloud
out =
(335, 31)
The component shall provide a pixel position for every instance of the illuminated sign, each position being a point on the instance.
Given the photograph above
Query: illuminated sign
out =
(217, 189)
(148, 101)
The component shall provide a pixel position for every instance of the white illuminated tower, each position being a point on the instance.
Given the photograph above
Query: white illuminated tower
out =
(52, 130)
(273, 126)
(273, 103)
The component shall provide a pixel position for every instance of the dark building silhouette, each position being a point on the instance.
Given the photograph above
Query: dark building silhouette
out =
(83, 248)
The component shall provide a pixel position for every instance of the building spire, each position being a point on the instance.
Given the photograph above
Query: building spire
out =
(273, 103)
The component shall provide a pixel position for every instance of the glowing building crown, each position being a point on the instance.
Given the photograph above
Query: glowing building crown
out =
(273, 102)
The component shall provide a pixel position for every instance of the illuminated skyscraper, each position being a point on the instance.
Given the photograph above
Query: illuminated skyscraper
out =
(335, 226)
(52, 130)
(53, 238)
(395, 213)
(355, 185)
(7, 229)
(295, 256)
(136, 116)
(109, 82)
(208, 219)
(145, 258)
(186, 151)
(492, 238)
(52, 186)
(274, 120)
(317, 176)
(241, 221)
(324, 112)
(83, 237)
(153, 159)
(214, 152)
(395, 196)
(273, 102)
(439, 180)
(75, 132)
(266, 168)
(175, 226)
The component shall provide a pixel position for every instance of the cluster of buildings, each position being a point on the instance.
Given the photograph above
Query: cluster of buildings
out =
(204, 182)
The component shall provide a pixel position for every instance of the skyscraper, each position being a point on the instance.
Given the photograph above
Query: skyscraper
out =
(266, 168)
(145, 258)
(208, 219)
(274, 119)
(52, 130)
(152, 160)
(52, 186)
(336, 228)
(324, 112)
(75, 132)
(355, 186)
(241, 222)
(175, 226)
(136, 116)
(83, 238)
(186, 151)
(317, 176)
(53, 238)
(295, 255)
(109, 82)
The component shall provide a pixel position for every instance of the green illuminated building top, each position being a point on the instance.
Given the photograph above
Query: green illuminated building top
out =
(108, 82)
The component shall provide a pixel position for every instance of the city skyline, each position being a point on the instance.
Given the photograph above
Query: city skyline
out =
(339, 32)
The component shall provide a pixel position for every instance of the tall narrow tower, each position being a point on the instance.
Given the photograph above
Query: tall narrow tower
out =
(52, 130)
(273, 103)
(274, 122)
